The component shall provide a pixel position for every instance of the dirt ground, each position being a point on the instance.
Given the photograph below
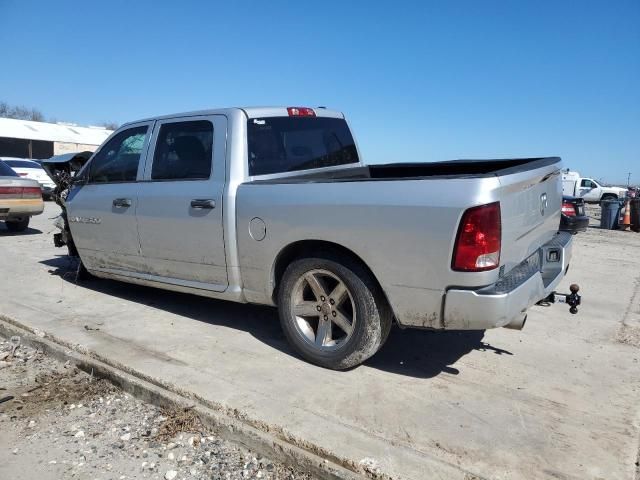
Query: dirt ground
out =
(558, 400)
(57, 422)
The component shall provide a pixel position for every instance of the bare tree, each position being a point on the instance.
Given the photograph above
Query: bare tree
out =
(110, 125)
(20, 112)
(4, 109)
(36, 115)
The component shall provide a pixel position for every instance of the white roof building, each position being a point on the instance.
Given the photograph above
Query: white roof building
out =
(27, 139)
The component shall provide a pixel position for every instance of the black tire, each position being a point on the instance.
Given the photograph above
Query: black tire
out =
(609, 196)
(17, 225)
(373, 317)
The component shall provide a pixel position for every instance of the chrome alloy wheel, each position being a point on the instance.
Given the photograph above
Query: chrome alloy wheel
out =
(323, 309)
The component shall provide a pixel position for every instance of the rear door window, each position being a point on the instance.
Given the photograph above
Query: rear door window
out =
(183, 151)
(118, 160)
(287, 144)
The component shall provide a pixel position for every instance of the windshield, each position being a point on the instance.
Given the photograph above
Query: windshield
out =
(6, 171)
(22, 164)
(287, 144)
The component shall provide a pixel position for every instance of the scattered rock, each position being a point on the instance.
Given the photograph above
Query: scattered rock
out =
(370, 465)
(170, 475)
(93, 430)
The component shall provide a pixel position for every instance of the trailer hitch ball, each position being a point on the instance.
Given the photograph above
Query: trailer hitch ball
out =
(573, 299)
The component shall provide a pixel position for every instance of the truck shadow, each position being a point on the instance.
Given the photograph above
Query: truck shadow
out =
(5, 232)
(414, 353)
(426, 354)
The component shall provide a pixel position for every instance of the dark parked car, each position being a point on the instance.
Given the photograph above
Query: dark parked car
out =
(573, 218)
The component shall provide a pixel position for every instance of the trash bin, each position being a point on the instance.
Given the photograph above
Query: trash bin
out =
(635, 214)
(609, 214)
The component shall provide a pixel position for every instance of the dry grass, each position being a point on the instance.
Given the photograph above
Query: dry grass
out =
(179, 420)
(54, 390)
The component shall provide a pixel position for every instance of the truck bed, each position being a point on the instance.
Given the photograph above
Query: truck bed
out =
(422, 170)
(401, 220)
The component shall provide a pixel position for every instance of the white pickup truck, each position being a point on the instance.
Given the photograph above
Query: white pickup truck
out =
(274, 206)
(573, 185)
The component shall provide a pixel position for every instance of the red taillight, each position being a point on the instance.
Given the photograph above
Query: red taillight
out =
(568, 209)
(23, 174)
(31, 192)
(11, 191)
(477, 245)
(301, 112)
(21, 192)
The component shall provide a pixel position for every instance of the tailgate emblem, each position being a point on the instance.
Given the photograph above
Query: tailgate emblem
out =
(543, 203)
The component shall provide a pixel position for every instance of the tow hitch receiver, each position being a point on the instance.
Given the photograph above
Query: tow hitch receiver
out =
(572, 299)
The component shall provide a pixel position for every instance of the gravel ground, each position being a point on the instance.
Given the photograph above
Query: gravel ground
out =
(58, 422)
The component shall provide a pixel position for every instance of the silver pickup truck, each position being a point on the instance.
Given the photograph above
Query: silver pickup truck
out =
(274, 206)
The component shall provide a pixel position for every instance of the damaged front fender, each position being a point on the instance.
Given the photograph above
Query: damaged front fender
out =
(63, 170)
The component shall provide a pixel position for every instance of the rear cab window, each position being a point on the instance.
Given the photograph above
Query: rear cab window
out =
(288, 144)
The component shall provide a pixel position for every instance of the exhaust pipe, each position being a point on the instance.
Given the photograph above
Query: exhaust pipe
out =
(517, 324)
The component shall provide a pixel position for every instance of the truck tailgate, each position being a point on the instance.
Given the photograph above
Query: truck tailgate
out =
(530, 203)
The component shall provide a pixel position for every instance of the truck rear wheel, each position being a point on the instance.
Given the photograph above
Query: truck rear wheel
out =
(332, 311)
(17, 225)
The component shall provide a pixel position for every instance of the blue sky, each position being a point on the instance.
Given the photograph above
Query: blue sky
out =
(419, 81)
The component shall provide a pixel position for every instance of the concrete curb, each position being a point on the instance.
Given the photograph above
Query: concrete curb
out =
(228, 427)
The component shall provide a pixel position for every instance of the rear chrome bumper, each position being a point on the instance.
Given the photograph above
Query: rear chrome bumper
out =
(18, 208)
(506, 302)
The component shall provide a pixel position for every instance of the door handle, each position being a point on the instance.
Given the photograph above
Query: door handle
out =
(202, 203)
(122, 202)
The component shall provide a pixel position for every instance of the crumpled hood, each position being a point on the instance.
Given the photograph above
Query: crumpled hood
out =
(61, 167)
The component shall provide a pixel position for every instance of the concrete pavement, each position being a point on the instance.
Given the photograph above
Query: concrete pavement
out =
(559, 399)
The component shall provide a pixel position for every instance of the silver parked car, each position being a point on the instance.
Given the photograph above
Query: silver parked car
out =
(274, 206)
(33, 170)
(20, 199)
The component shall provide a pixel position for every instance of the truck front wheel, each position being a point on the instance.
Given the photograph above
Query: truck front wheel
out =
(332, 311)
